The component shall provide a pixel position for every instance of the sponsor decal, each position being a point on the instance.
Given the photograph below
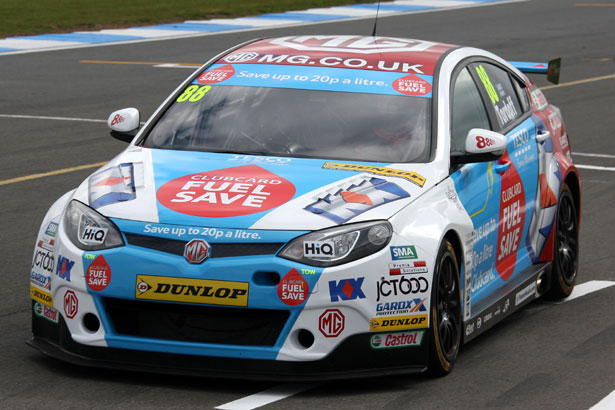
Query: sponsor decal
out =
(346, 289)
(484, 142)
(359, 196)
(401, 307)
(211, 233)
(196, 251)
(512, 218)
(111, 185)
(539, 100)
(52, 229)
(469, 329)
(117, 119)
(525, 293)
(41, 296)
(331, 323)
(40, 280)
(240, 57)
(412, 85)
(216, 75)
(403, 252)
(235, 191)
(44, 260)
(382, 171)
(308, 271)
(98, 274)
(257, 159)
(407, 267)
(89, 256)
(398, 323)
(213, 292)
(46, 312)
(293, 289)
(401, 286)
(481, 279)
(71, 304)
(398, 339)
(64, 267)
(92, 235)
(318, 248)
(354, 44)
(46, 242)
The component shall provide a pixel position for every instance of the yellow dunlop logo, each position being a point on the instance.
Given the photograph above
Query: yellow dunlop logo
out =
(213, 292)
(384, 171)
(41, 296)
(379, 324)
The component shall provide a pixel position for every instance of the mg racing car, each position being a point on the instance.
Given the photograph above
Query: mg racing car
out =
(314, 207)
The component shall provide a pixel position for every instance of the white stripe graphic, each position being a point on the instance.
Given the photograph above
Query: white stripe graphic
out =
(435, 3)
(24, 44)
(268, 396)
(247, 21)
(345, 11)
(147, 33)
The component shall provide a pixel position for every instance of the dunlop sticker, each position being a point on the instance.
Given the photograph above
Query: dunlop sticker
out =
(213, 292)
(383, 171)
(380, 324)
(41, 296)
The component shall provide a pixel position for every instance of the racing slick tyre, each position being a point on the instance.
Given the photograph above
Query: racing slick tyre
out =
(445, 326)
(566, 247)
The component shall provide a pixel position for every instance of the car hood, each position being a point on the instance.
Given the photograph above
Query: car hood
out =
(250, 192)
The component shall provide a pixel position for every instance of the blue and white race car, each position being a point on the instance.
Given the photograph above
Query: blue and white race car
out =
(314, 207)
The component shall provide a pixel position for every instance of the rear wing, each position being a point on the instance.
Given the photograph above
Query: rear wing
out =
(551, 69)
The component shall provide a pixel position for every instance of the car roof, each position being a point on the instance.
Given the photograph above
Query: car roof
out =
(390, 54)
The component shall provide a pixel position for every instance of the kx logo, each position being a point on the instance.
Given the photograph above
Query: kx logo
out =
(63, 268)
(346, 289)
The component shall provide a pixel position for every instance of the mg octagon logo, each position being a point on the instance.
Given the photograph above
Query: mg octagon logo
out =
(196, 251)
(71, 304)
(331, 323)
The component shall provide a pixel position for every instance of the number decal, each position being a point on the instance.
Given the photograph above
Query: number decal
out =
(193, 93)
(493, 94)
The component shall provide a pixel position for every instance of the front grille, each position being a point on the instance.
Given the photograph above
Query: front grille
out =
(218, 250)
(192, 323)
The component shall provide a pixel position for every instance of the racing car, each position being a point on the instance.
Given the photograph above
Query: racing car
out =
(317, 206)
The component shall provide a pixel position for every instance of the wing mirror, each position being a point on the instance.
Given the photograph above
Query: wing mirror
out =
(124, 124)
(480, 146)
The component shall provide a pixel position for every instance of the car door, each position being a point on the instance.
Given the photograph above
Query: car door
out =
(499, 195)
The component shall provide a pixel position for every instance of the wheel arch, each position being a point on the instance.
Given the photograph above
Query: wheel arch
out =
(572, 180)
(453, 237)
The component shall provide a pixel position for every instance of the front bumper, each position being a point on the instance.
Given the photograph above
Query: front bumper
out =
(353, 358)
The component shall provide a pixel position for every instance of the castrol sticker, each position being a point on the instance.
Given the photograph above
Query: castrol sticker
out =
(412, 85)
(98, 274)
(512, 218)
(293, 289)
(226, 192)
(216, 75)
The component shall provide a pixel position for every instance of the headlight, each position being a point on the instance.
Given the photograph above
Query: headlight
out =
(342, 244)
(88, 230)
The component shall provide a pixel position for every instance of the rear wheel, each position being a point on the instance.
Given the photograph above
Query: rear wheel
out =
(566, 253)
(445, 326)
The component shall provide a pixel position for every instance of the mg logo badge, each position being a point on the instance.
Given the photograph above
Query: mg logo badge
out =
(196, 251)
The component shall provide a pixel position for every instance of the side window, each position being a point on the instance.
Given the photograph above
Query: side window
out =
(502, 96)
(468, 110)
(522, 93)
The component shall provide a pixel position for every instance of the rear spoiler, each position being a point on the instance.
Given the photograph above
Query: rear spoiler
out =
(551, 69)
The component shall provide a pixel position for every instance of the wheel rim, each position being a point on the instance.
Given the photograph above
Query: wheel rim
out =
(448, 307)
(567, 240)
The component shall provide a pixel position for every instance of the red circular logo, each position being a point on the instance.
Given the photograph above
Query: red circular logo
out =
(216, 75)
(71, 304)
(226, 192)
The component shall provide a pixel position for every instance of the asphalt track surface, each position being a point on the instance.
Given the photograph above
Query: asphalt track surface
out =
(546, 356)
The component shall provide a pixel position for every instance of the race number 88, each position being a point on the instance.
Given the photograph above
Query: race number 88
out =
(193, 93)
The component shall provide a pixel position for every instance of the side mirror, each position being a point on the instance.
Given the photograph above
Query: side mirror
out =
(124, 124)
(480, 146)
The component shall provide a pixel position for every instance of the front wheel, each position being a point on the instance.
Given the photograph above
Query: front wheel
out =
(445, 326)
(566, 252)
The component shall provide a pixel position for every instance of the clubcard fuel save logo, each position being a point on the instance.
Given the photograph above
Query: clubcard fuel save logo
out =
(235, 191)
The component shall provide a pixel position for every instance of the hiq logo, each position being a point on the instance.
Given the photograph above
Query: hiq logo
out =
(357, 198)
(346, 289)
(315, 248)
(63, 268)
(93, 235)
(403, 252)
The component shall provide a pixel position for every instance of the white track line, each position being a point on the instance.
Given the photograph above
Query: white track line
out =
(608, 403)
(39, 117)
(597, 168)
(583, 154)
(267, 396)
(586, 288)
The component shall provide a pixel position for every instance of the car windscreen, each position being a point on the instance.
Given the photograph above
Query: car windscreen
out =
(296, 122)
